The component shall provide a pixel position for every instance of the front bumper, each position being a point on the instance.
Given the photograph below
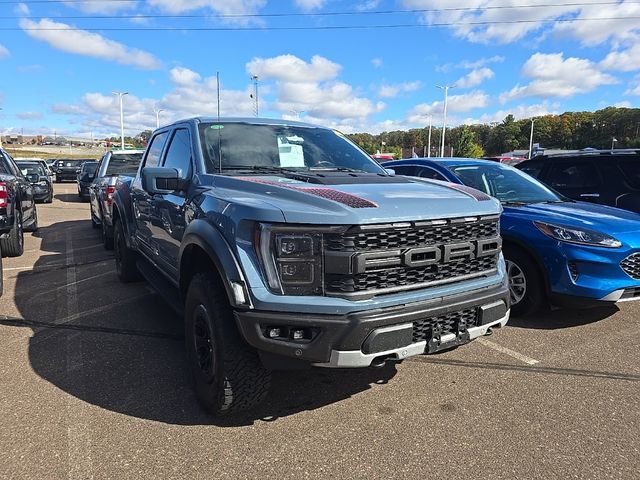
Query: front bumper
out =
(41, 193)
(357, 339)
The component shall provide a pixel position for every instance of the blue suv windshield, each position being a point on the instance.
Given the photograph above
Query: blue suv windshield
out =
(245, 146)
(505, 183)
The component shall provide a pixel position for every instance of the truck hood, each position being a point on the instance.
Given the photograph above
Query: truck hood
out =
(579, 214)
(363, 200)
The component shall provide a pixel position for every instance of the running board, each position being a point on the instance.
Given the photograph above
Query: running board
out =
(161, 285)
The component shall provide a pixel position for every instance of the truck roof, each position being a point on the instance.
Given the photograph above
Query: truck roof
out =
(250, 120)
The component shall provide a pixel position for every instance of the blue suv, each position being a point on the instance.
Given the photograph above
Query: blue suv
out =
(557, 250)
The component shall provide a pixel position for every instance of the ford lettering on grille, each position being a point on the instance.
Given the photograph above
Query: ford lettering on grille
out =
(368, 261)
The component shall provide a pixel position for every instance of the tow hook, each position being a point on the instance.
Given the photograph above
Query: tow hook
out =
(489, 332)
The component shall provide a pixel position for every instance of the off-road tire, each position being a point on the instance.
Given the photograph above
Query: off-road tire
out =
(13, 245)
(107, 236)
(34, 224)
(534, 297)
(126, 258)
(235, 380)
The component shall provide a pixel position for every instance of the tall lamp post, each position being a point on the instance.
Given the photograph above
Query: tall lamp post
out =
(429, 151)
(120, 95)
(533, 120)
(444, 115)
(254, 78)
(157, 112)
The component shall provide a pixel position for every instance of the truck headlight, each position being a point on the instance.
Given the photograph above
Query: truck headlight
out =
(578, 235)
(291, 260)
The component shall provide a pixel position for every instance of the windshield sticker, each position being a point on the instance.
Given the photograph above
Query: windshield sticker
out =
(216, 127)
(290, 154)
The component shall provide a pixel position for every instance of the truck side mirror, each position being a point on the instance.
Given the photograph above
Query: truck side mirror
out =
(390, 171)
(162, 180)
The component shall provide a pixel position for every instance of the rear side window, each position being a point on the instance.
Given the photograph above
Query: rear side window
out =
(405, 170)
(576, 174)
(179, 152)
(155, 149)
(3, 167)
(123, 164)
(426, 172)
(631, 170)
(532, 168)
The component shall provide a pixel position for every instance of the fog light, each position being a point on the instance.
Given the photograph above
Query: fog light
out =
(297, 334)
(273, 332)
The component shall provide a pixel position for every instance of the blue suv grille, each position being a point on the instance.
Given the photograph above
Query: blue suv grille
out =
(631, 266)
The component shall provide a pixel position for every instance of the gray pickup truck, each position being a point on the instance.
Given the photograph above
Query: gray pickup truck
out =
(285, 245)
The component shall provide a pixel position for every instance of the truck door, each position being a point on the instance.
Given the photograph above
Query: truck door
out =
(141, 199)
(168, 210)
(577, 178)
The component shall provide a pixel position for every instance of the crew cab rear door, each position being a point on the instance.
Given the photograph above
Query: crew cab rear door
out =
(168, 210)
(577, 178)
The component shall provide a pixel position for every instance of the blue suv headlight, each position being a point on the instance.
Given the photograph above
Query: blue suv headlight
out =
(578, 235)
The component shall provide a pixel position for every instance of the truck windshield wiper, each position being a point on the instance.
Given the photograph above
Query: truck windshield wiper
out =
(336, 169)
(514, 203)
(261, 168)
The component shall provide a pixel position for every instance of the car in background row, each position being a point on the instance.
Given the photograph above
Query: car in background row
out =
(67, 169)
(17, 207)
(557, 250)
(606, 177)
(85, 177)
(37, 176)
(47, 168)
(112, 165)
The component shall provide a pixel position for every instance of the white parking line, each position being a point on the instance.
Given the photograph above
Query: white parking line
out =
(507, 351)
(78, 430)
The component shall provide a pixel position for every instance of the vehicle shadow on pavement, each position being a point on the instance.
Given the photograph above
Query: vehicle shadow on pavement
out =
(68, 197)
(564, 318)
(120, 347)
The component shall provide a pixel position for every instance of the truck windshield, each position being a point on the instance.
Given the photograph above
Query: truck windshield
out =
(505, 183)
(245, 146)
(123, 164)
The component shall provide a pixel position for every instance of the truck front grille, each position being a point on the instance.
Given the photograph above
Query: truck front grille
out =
(444, 324)
(631, 266)
(372, 260)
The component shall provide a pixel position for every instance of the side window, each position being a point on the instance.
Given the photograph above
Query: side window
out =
(11, 165)
(532, 168)
(574, 174)
(405, 170)
(179, 152)
(631, 170)
(3, 167)
(155, 149)
(427, 172)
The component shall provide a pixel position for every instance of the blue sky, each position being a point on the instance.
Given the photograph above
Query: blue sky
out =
(61, 61)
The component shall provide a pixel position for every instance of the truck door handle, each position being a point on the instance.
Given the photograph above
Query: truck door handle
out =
(589, 195)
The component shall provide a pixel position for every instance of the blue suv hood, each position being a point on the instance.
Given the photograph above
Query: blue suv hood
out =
(579, 214)
(354, 203)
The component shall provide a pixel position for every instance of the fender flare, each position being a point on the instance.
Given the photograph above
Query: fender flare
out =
(125, 215)
(202, 234)
(536, 258)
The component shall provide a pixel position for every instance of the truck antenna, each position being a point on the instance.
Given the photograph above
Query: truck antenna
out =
(219, 133)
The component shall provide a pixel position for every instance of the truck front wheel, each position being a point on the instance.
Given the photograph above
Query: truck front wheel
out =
(228, 374)
(126, 259)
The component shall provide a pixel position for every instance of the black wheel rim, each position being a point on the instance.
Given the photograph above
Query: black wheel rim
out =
(203, 343)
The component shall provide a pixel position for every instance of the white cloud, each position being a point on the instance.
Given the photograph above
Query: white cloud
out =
(634, 86)
(29, 115)
(623, 60)
(63, 37)
(390, 91)
(220, 7)
(519, 112)
(481, 62)
(22, 9)
(4, 51)
(367, 5)
(310, 5)
(555, 76)
(475, 77)
(456, 104)
(104, 6)
(622, 104)
(376, 62)
(312, 87)
(290, 68)
(183, 76)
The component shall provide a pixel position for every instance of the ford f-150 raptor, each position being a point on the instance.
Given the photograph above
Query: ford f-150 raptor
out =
(284, 244)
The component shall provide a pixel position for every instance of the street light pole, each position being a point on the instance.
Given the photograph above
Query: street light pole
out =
(157, 111)
(531, 139)
(255, 94)
(429, 151)
(120, 95)
(444, 115)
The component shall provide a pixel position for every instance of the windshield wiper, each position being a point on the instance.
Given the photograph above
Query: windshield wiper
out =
(336, 169)
(261, 168)
(514, 203)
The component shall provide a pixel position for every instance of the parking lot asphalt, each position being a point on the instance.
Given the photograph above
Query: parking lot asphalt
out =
(93, 384)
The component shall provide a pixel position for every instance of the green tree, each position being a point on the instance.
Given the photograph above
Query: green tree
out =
(466, 145)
